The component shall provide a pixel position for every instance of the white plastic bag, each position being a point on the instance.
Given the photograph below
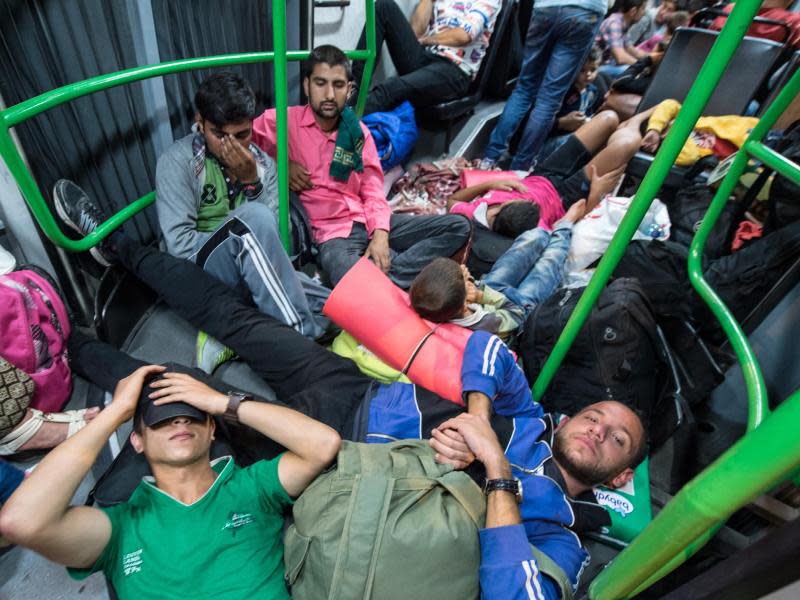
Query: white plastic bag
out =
(592, 234)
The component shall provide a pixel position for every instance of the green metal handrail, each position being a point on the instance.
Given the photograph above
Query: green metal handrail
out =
(689, 518)
(749, 468)
(14, 115)
(696, 99)
(754, 381)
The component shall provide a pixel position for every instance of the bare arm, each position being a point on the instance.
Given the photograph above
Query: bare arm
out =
(452, 36)
(311, 445)
(480, 438)
(421, 17)
(501, 506)
(38, 515)
(470, 193)
(622, 56)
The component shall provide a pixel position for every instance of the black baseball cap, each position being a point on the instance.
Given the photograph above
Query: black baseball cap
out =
(152, 414)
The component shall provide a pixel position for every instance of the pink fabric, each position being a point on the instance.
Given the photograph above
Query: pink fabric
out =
(470, 177)
(540, 191)
(332, 205)
(34, 328)
(394, 332)
(651, 43)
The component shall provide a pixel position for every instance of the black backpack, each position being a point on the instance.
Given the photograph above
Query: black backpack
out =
(784, 207)
(743, 279)
(616, 355)
(661, 267)
(486, 247)
(686, 212)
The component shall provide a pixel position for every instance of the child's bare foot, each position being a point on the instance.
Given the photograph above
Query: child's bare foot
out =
(51, 433)
(576, 212)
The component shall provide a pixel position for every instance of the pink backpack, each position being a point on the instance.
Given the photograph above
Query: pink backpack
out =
(34, 327)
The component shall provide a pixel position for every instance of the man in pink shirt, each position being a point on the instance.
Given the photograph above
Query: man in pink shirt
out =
(342, 190)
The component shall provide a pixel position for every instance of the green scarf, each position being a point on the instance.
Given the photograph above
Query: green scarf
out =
(349, 144)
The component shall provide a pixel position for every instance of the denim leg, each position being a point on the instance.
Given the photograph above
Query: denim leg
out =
(10, 478)
(419, 239)
(536, 55)
(515, 263)
(545, 276)
(573, 35)
(336, 256)
(247, 249)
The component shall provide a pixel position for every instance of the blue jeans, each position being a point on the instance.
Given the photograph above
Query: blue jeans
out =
(613, 70)
(557, 43)
(531, 270)
(10, 478)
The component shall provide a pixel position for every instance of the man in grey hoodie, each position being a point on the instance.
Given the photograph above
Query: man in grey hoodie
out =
(216, 197)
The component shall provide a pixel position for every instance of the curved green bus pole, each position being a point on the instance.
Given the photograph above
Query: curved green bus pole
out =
(754, 381)
(696, 100)
(757, 394)
(18, 113)
(752, 466)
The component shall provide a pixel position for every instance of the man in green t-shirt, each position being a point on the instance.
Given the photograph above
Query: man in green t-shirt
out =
(196, 529)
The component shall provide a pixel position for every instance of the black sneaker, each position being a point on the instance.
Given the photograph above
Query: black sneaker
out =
(82, 215)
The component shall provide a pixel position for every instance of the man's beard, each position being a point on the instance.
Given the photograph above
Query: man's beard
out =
(588, 474)
(322, 114)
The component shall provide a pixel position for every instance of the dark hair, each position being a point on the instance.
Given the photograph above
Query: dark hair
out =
(595, 54)
(224, 98)
(515, 218)
(438, 293)
(677, 19)
(331, 56)
(623, 6)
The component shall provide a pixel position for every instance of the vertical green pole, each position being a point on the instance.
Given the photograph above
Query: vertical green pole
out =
(366, 77)
(281, 109)
(696, 100)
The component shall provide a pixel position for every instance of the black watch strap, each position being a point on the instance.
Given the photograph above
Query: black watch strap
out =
(234, 400)
(513, 486)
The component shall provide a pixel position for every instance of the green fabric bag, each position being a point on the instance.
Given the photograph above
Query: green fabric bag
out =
(629, 506)
(347, 346)
(386, 522)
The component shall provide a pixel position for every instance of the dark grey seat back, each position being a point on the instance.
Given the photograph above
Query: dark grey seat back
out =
(750, 66)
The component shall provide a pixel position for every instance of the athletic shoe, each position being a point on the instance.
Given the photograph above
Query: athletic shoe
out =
(80, 214)
(210, 353)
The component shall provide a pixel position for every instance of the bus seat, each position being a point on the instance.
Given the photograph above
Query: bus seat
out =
(749, 68)
(792, 113)
(449, 112)
(303, 251)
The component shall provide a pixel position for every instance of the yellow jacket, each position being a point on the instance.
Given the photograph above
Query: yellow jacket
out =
(732, 128)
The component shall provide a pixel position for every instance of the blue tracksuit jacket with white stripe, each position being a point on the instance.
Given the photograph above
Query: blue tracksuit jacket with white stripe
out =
(550, 518)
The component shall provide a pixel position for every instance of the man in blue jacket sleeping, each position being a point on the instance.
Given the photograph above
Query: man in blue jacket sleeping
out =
(538, 474)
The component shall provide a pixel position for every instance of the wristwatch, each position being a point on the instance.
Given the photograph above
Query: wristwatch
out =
(234, 400)
(504, 485)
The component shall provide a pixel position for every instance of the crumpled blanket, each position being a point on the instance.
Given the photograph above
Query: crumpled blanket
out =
(425, 187)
